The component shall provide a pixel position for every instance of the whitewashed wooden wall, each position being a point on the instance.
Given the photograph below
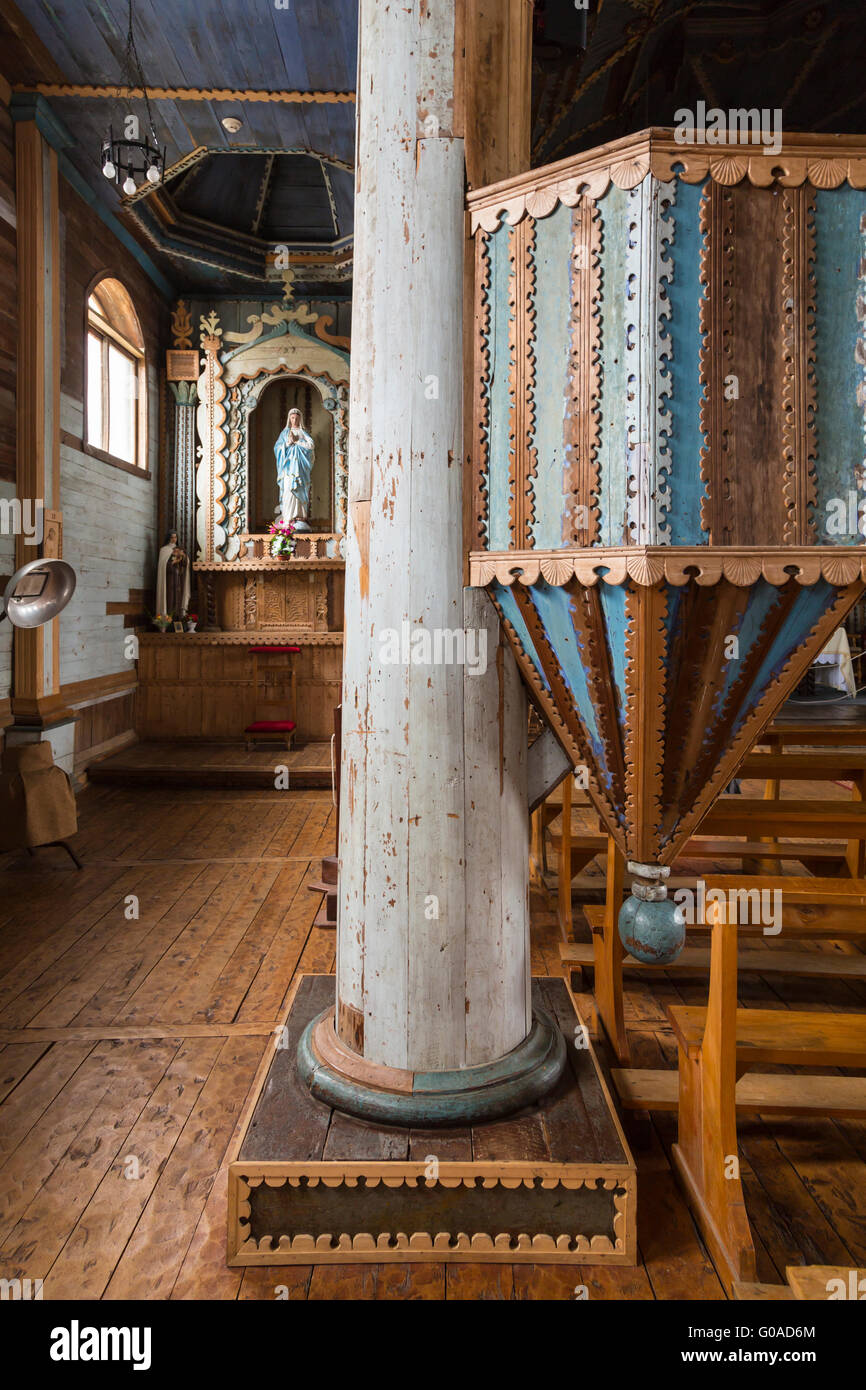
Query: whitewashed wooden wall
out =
(7, 565)
(109, 537)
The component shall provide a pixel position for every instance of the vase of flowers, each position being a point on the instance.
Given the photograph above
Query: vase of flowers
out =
(191, 621)
(283, 539)
(162, 622)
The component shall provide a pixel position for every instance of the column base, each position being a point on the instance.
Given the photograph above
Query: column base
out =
(308, 1184)
(386, 1095)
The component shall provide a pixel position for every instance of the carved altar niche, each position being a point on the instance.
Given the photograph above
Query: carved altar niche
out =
(237, 369)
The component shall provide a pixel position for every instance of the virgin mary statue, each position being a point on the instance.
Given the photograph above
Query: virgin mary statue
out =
(295, 453)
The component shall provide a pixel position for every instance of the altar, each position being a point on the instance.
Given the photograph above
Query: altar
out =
(222, 485)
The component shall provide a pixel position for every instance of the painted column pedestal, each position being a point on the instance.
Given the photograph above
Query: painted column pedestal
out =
(392, 1096)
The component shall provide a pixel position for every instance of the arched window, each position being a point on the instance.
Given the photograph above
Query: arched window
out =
(116, 390)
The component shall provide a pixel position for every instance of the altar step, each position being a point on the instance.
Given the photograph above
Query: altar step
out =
(196, 763)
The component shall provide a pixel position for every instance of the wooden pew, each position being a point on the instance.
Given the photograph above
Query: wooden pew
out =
(806, 733)
(721, 1043)
(809, 1283)
(812, 765)
(838, 905)
(764, 822)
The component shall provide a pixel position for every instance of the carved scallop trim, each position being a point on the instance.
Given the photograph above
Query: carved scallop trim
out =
(727, 168)
(529, 315)
(582, 428)
(522, 460)
(649, 565)
(440, 1242)
(516, 399)
(799, 399)
(716, 269)
(483, 274)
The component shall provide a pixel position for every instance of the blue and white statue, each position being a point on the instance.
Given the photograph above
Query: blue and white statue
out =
(295, 454)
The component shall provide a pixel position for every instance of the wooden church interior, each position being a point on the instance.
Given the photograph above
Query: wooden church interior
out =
(250, 795)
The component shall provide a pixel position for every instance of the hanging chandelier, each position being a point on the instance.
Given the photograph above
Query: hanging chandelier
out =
(134, 157)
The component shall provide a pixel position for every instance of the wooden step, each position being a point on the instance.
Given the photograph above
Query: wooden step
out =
(783, 1037)
(843, 1097)
(695, 960)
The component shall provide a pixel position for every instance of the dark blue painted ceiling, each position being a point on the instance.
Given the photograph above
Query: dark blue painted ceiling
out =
(238, 44)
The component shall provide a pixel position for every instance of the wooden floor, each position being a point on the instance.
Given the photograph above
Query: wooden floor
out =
(129, 1041)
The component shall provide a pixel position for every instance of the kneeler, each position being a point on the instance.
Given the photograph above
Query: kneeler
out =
(282, 729)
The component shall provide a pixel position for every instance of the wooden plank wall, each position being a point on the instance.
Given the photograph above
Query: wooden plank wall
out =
(8, 297)
(8, 361)
(110, 515)
(102, 728)
(192, 690)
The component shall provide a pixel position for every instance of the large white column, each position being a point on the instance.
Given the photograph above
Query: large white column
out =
(433, 954)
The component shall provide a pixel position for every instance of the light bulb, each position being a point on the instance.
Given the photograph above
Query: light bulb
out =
(108, 169)
(153, 174)
(129, 185)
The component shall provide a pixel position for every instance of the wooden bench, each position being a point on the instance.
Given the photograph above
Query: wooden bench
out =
(831, 907)
(812, 765)
(806, 733)
(808, 1283)
(721, 1043)
(763, 822)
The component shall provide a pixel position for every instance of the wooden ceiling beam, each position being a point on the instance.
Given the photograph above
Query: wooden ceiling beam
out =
(75, 89)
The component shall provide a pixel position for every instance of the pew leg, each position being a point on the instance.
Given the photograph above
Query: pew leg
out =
(536, 848)
(608, 954)
(855, 853)
(768, 866)
(565, 873)
(707, 1162)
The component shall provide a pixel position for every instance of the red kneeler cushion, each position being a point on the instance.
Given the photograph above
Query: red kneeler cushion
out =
(270, 726)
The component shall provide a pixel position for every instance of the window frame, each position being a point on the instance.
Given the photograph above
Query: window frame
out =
(99, 327)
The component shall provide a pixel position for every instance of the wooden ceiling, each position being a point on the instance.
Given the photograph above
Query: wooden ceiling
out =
(209, 57)
(599, 73)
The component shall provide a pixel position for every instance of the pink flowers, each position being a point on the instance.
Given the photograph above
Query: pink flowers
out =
(282, 535)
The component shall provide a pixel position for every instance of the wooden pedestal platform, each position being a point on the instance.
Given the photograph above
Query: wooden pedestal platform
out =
(310, 1185)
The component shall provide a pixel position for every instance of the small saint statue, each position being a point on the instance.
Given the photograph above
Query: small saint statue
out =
(172, 579)
(295, 453)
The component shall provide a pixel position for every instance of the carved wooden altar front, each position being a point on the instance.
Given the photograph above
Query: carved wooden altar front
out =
(202, 685)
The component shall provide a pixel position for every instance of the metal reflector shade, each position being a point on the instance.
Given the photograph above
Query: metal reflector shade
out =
(38, 592)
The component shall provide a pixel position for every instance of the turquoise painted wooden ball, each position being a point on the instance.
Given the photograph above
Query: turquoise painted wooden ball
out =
(654, 933)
